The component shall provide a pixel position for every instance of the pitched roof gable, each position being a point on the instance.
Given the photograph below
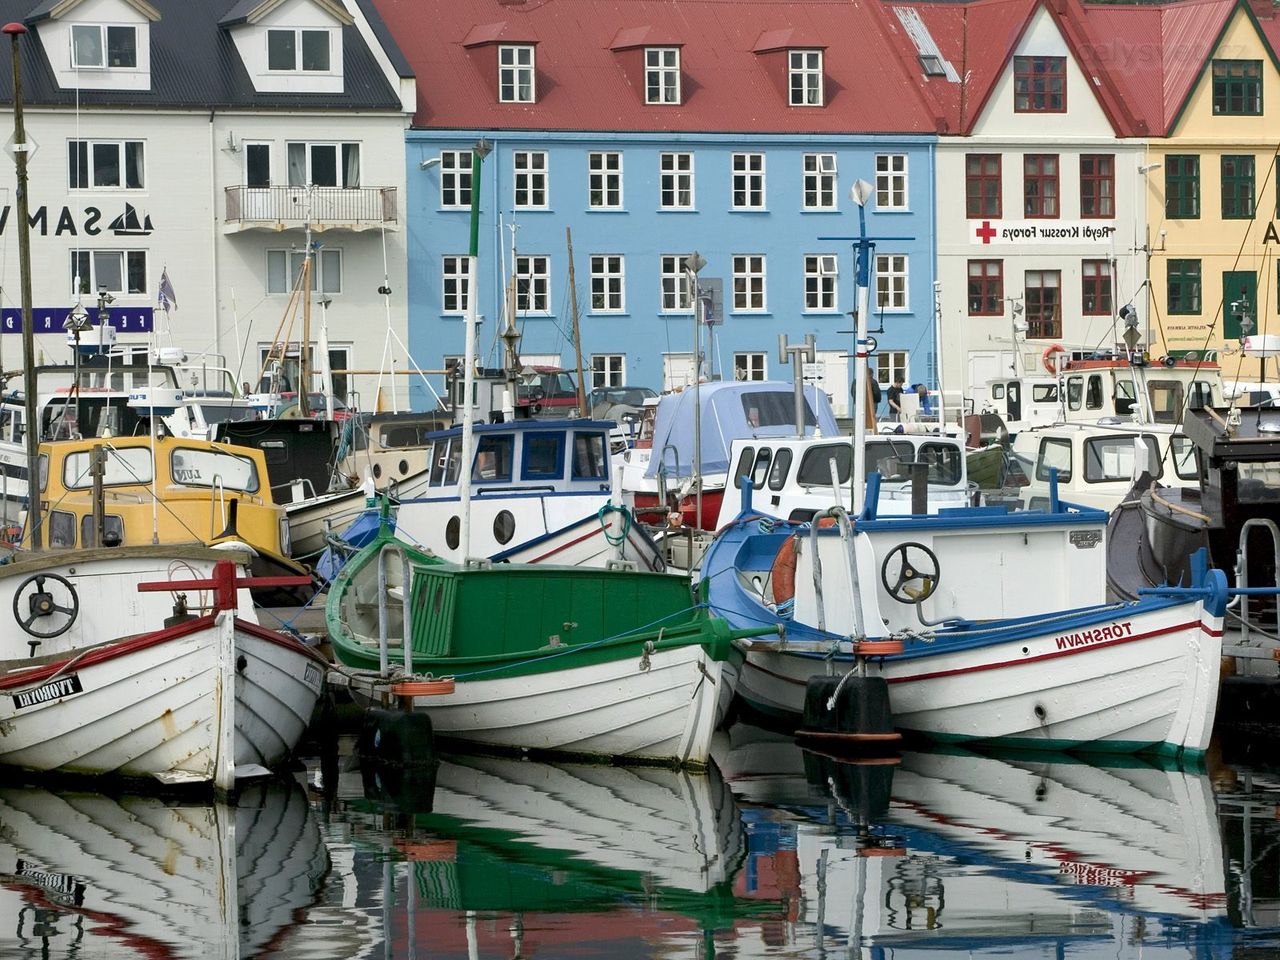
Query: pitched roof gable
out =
(57, 9)
(251, 11)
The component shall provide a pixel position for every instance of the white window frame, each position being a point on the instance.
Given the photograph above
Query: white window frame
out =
(750, 283)
(340, 152)
(804, 78)
(455, 284)
(321, 278)
(533, 283)
(89, 286)
(455, 179)
(604, 179)
(662, 75)
(892, 286)
(819, 181)
(608, 283)
(676, 179)
(299, 33)
(750, 366)
(91, 167)
(608, 370)
(891, 364)
(529, 170)
(748, 187)
(104, 37)
(517, 73)
(821, 289)
(676, 294)
(891, 181)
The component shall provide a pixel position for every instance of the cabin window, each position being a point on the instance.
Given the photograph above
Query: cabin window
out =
(1093, 393)
(745, 460)
(945, 460)
(761, 469)
(590, 457)
(815, 465)
(1075, 392)
(1125, 398)
(1183, 452)
(775, 410)
(453, 462)
(130, 465)
(781, 464)
(887, 458)
(214, 469)
(1200, 395)
(274, 451)
(1054, 453)
(997, 391)
(493, 459)
(440, 457)
(112, 531)
(1114, 458)
(543, 456)
(62, 529)
(1044, 393)
(42, 470)
(1166, 400)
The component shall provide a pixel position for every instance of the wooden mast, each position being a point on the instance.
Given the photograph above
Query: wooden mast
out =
(577, 335)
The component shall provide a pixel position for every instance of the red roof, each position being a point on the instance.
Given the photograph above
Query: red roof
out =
(873, 82)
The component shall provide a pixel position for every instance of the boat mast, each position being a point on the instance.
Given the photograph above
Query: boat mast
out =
(860, 192)
(577, 333)
(478, 153)
(304, 367)
(20, 150)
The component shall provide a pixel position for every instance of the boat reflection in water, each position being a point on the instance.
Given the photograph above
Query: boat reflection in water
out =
(981, 854)
(87, 874)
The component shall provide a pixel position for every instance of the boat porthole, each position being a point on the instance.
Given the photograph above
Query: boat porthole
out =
(453, 533)
(377, 471)
(1025, 650)
(241, 663)
(504, 526)
(404, 467)
(1040, 713)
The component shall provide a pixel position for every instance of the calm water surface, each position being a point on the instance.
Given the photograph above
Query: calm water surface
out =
(775, 853)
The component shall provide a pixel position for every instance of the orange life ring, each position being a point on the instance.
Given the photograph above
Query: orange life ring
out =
(782, 577)
(1048, 357)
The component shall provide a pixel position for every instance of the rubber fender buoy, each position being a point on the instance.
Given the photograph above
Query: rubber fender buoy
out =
(397, 737)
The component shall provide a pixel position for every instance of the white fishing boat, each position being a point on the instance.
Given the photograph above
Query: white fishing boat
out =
(129, 876)
(209, 699)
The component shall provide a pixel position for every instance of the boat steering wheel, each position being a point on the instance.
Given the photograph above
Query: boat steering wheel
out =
(923, 568)
(41, 603)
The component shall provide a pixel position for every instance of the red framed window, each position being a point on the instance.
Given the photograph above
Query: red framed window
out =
(1040, 185)
(986, 288)
(1097, 185)
(1095, 288)
(1040, 84)
(982, 185)
(1043, 292)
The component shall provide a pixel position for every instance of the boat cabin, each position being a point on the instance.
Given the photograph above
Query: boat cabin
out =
(1091, 389)
(558, 454)
(391, 447)
(792, 478)
(178, 489)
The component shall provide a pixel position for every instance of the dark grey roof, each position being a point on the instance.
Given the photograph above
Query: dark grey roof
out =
(195, 65)
(399, 62)
(239, 12)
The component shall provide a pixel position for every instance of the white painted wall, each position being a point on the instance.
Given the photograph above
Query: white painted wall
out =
(55, 38)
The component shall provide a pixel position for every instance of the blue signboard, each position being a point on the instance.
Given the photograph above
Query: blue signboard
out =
(51, 319)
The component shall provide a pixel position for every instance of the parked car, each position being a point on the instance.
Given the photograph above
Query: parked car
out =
(554, 394)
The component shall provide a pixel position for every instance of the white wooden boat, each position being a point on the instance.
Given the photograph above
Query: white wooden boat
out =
(207, 700)
(1139, 676)
(129, 876)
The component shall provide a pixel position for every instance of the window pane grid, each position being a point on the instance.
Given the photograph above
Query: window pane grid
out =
(748, 181)
(455, 179)
(1097, 185)
(662, 75)
(986, 288)
(1040, 185)
(820, 275)
(982, 185)
(1237, 187)
(676, 191)
(530, 167)
(891, 281)
(455, 285)
(1237, 87)
(1184, 284)
(515, 74)
(1043, 301)
(1182, 186)
(748, 282)
(1040, 84)
(819, 181)
(604, 176)
(676, 295)
(1095, 288)
(891, 181)
(607, 284)
(806, 78)
(533, 284)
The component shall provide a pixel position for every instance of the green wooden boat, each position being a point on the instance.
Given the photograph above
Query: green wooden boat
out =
(614, 664)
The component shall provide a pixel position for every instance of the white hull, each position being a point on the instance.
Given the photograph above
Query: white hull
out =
(589, 543)
(665, 713)
(309, 520)
(175, 705)
(1154, 687)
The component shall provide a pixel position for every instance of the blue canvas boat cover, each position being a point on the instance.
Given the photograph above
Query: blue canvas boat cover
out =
(731, 410)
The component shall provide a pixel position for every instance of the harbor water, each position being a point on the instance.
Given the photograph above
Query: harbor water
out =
(775, 851)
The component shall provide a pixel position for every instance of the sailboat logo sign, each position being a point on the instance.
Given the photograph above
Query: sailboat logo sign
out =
(128, 223)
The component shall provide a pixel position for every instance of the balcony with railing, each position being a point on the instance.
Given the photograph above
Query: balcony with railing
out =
(324, 208)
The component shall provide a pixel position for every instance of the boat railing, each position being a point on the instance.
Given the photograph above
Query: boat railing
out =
(1242, 568)
(662, 470)
(406, 582)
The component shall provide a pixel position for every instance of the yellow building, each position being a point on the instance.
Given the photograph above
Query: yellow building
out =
(1212, 232)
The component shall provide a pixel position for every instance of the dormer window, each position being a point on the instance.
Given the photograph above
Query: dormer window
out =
(805, 78)
(662, 75)
(96, 46)
(515, 74)
(291, 51)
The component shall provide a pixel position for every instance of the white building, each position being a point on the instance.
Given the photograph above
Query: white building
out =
(199, 139)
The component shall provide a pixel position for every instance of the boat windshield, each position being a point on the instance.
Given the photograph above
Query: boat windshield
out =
(764, 409)
(130, 465)
(1258, 482)
(196, 467)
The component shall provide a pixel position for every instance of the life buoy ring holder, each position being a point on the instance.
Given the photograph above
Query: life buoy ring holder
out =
(1050, 355)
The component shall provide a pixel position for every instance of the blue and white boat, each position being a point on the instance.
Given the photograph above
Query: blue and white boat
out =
(996, 644)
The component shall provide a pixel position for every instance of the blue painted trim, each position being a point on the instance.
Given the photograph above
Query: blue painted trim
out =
(524, 461)
(510, 496)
